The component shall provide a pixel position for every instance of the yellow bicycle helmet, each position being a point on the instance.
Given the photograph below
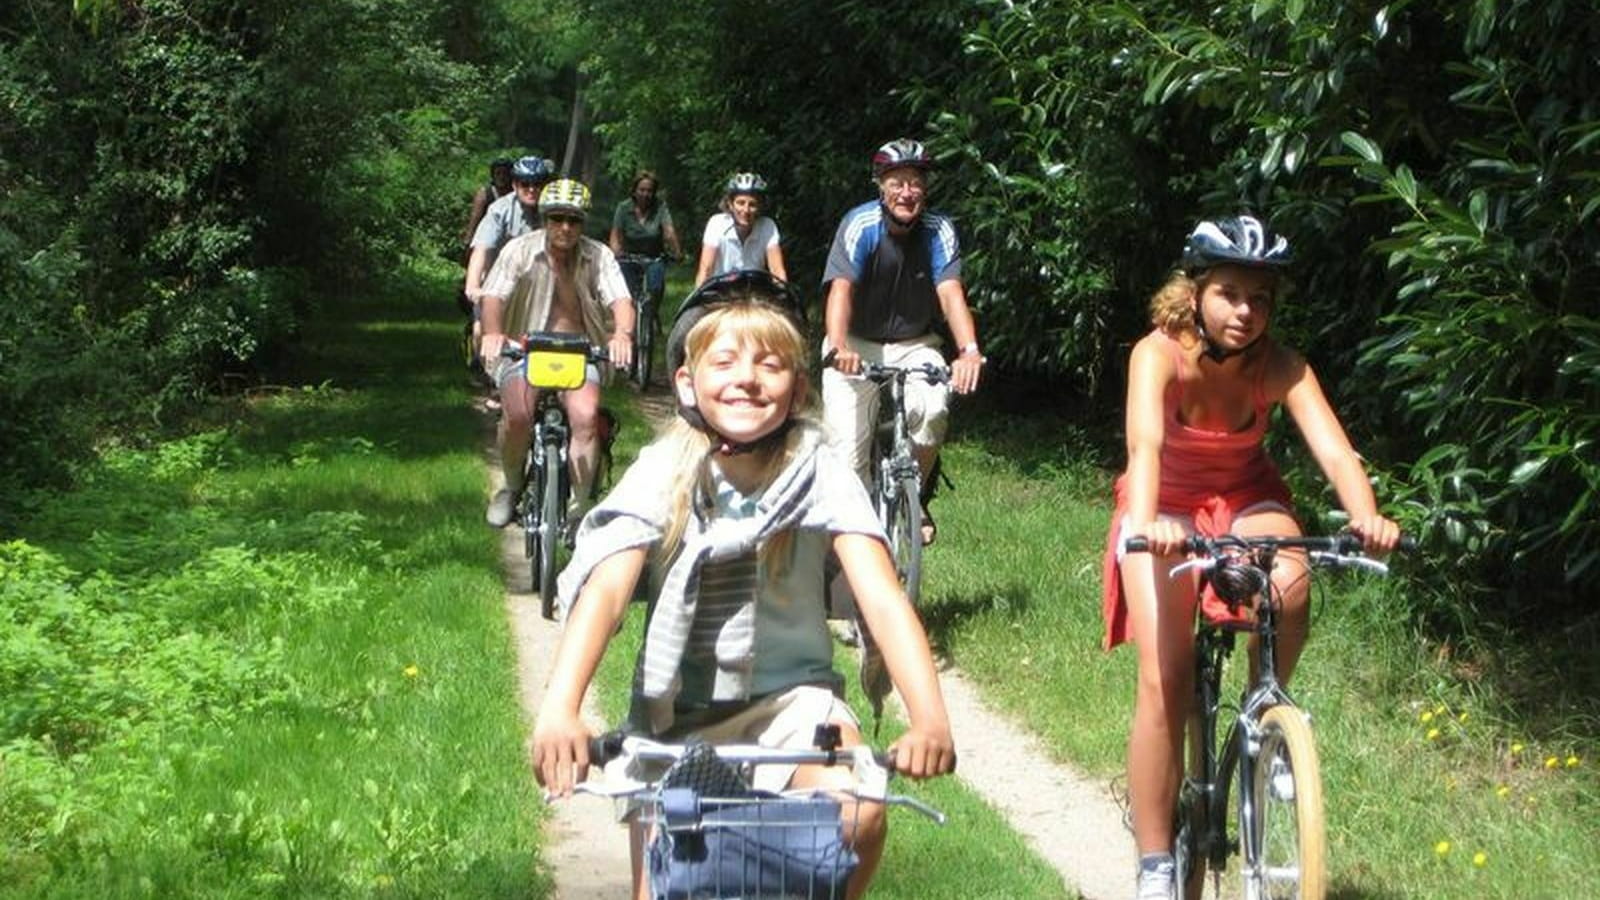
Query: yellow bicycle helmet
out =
(564, 195)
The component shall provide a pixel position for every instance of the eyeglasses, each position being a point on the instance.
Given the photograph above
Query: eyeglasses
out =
(563, 219)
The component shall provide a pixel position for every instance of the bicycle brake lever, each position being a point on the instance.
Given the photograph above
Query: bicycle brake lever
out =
(1200, 564)
(1339, 560)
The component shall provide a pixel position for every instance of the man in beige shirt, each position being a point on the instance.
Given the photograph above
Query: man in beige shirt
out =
(553, 279)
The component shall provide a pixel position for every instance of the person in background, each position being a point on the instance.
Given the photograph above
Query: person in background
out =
(553, 279)
(893, 271)
(740, 237)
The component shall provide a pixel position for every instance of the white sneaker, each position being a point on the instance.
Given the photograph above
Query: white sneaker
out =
(1156, 882)
(502, 508)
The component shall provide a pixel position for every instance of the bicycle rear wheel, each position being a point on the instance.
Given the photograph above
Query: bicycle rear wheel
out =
(903, 523)
(551, 506)
(1287, 830)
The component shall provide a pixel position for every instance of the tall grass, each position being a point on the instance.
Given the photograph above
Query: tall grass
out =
(277, 651)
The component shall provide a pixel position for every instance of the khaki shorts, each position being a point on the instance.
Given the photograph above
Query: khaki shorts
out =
(785, 720)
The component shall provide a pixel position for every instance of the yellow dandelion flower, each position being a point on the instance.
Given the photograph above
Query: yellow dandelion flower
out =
(1551, 762)
(1427, 716)
(1516, 747)
(1480, 859)
(1502, 792)
(411, 671)
(383, 881)
(1461, 718)
(1573, 762)
(1440, 710)
(1442, 848)
(1433, 734)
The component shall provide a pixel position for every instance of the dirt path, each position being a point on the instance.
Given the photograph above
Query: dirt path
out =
(1071, 821)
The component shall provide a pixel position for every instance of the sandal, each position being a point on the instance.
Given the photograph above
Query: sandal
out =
(930, 528)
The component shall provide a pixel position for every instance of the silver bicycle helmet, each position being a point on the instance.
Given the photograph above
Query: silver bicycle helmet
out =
(745, 183)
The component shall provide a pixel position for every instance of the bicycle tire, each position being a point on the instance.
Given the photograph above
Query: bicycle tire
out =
(1192, 819)
(1288, 831)
(551, 506)
(904, 527)
(644, 345)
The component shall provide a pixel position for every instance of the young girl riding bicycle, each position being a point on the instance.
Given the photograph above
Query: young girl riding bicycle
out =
(737, 507)
(1201, 388)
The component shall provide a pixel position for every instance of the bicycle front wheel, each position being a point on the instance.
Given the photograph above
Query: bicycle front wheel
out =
(644, 346)
(904, 526)
(551, 506)
(1287, 826)
(1192, 825)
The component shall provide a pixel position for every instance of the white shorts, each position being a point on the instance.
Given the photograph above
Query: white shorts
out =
(786, 720)
(850, 403)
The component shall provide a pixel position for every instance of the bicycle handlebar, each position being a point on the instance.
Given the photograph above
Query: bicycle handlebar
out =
(1345, 544)
(515, 348)
(929, 372)
(607, 747)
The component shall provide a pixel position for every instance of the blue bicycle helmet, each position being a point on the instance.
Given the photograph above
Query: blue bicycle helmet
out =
(533, 168)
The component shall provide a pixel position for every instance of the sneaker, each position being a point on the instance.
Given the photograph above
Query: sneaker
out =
(1157, 875)
(502, 508)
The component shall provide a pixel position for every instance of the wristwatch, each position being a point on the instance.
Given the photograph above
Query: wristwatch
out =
(969, 347)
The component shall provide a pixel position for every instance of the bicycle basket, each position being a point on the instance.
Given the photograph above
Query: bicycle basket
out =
(557, 360)
(761, 845)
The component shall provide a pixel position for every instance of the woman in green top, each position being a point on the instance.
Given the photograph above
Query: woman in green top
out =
(642, 226)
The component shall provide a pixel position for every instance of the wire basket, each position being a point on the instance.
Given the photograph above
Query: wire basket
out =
(757, 845)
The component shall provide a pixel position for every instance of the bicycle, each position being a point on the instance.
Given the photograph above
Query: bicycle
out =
(709, 834)
(646, 278)
(896, 486)
(556, 362)
(1270, 745)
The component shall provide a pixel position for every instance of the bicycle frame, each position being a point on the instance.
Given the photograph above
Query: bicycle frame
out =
(892, 441)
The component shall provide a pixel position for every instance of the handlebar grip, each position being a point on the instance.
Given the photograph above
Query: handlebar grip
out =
(604, 748)
(1137, 544)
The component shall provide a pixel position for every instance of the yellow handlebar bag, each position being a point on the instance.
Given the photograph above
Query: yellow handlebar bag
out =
(557, 360)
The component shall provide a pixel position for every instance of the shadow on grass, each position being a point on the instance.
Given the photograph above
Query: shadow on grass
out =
(945, 613)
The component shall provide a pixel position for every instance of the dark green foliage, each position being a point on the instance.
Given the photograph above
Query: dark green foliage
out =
(173, 175)
(1434, 163)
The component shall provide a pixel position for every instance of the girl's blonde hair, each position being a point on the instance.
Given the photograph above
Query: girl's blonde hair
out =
(689, 449)
(1172, 306)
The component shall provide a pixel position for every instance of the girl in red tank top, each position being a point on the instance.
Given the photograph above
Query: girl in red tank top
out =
(1201, 388)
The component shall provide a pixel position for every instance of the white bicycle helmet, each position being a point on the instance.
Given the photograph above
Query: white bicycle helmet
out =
(745, 183)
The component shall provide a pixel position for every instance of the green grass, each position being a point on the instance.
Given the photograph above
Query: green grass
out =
(322, 563)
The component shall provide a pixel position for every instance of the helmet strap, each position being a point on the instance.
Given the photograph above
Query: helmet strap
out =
(1212, 351)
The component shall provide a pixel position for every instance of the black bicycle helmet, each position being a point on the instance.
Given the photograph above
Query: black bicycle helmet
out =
(898, 153)
(1235, 240)
(731, 287)
(741, 286)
